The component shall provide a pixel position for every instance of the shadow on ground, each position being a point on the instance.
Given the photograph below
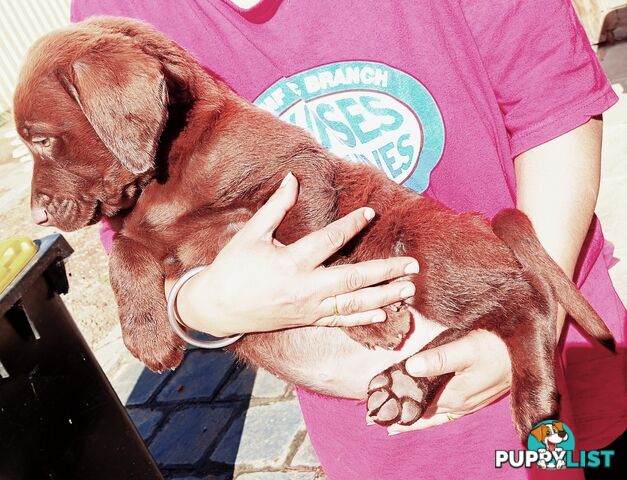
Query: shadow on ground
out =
(192, 419)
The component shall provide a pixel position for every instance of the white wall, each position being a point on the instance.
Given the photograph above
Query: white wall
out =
(21, 23)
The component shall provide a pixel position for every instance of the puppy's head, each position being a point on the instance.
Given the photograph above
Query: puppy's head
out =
(90, 104)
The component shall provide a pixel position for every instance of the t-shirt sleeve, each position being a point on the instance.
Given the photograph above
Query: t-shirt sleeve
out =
(545, 75)
(82, 9)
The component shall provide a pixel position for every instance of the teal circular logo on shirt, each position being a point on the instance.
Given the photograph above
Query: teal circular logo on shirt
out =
(365, 112)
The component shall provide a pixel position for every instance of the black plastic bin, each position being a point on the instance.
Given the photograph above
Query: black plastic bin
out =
(59, 416)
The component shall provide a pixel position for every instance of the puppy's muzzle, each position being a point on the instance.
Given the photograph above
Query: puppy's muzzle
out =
(40, 215)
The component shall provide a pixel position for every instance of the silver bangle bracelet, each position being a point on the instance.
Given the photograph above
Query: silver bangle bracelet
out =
(179, 326)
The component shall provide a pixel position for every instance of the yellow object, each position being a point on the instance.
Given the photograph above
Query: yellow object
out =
(15, 253)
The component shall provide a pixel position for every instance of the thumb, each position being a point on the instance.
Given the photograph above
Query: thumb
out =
(271, 214)
(449, 358)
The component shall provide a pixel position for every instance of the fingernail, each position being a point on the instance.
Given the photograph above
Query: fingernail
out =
(369, 421)
(412, 268)
(408, 291)
(379, 316)
(287, 178)
(393, 433)
(369, 213)
(416, 366)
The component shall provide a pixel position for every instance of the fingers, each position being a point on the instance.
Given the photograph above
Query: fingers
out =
(367, 299)
(361, 318)
(348, 278)
(271, 214)
(315, 248)
(452, 357)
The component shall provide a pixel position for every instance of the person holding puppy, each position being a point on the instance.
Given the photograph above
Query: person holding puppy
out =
(480, 105)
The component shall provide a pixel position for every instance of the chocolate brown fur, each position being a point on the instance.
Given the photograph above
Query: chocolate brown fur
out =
(140, 128)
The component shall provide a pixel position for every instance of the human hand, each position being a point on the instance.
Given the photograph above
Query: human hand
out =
(482, 370)
(256, 284)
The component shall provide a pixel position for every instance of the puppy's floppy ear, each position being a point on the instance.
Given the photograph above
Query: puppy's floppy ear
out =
(539, 433)
(122, 92)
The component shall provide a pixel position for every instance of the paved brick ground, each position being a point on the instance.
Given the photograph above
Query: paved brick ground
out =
(213, 418)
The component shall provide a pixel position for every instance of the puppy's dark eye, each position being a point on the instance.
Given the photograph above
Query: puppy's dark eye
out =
(43, 141)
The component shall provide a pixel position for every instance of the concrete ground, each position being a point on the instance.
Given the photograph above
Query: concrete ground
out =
(212, 419)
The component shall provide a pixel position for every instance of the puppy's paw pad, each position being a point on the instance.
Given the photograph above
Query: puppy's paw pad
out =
(376, 401)
(410, 411)
(405, 386)
(396, 397)
(382, 408)
(382, 380)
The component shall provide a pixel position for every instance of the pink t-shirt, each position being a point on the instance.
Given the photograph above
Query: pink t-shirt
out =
(441, 95)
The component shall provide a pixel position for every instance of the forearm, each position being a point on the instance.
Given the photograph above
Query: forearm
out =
(557, 186)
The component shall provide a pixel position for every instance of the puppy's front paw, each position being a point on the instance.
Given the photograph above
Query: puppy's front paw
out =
(389, 334)
(158, 349)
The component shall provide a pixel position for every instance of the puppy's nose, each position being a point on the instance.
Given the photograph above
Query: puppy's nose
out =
(40, 216)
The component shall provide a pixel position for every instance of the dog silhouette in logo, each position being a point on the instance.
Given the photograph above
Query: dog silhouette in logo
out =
(550, 435)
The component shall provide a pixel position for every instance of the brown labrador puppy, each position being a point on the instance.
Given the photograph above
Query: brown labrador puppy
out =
(121, 119)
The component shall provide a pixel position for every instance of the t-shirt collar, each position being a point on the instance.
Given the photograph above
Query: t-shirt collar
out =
(261, 12)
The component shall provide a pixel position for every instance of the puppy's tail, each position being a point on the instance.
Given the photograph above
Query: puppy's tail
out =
(514, 228)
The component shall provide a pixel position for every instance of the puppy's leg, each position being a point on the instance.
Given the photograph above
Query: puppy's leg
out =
(138, 281)
(395, 397)
(534, 393)
(532, 351)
